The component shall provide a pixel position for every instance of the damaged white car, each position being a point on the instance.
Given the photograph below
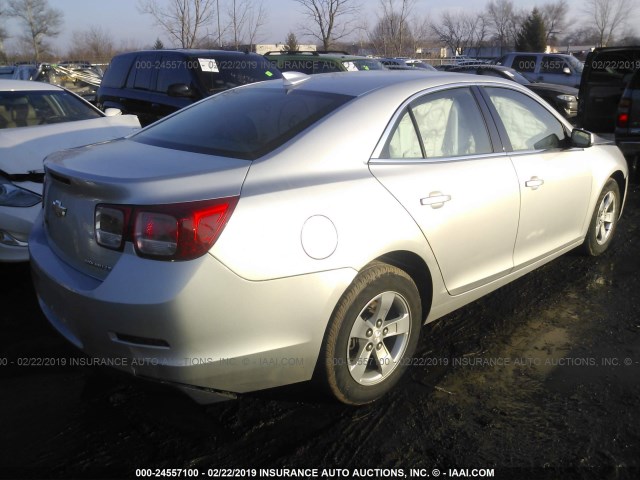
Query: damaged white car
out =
(37, 119)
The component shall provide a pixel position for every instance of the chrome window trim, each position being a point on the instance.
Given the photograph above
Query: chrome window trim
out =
(413, 161)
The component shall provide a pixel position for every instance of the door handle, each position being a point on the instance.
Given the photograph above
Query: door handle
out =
(534, 183)
(435, 200)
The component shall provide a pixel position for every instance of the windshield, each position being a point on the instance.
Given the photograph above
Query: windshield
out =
(516, 76)
(225, 73)
(242, 123)
(26, 109)
(363, 64)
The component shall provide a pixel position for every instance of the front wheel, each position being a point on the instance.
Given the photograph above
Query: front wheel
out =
(604, 220)
(372, 333)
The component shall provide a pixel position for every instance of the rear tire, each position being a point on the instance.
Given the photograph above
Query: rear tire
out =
(604, 220)
(372, 334)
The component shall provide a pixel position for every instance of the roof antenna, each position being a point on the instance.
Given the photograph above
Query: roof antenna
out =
(293, 79)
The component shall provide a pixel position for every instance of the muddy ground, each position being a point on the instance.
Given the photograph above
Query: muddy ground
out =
(541, 379)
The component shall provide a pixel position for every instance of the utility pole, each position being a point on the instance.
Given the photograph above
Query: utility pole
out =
(219, 32)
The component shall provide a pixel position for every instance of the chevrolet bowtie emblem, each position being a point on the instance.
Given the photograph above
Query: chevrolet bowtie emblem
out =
(58, 209)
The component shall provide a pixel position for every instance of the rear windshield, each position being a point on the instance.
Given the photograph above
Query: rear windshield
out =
(242, 123)
(221, 74)
(613, 67)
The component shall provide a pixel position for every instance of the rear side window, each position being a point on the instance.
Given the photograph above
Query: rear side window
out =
(449, 124)
(286, 65)
(524, 63)
(242, 123)
(552, 64)
(116, 74)
(143, 71)
(326, 66)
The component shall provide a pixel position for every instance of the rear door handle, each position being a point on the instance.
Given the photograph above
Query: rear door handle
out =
(435, 200)
(534, 183)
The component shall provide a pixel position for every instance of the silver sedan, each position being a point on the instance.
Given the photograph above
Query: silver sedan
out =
(308, 227)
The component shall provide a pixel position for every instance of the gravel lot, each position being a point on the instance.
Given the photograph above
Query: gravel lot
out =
(538, 380)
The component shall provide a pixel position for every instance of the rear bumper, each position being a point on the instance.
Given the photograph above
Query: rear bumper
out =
(195, 325)
(630, 146)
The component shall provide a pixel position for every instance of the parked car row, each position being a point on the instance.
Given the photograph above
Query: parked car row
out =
(301, 226)
(545, 67)
(564, 99)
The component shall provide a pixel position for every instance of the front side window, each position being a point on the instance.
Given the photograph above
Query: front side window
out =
(449, 124)
(172, 70)
(529, 126)
(242, 123)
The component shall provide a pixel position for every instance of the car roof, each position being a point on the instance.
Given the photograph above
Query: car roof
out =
(7, 85)
(406, 82)
(195, 52)
(318, 55)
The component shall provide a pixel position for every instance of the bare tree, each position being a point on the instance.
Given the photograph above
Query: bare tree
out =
(392, 35)
(499, 15)
(3, 36)
(420, 31)
(515, 25)
(459, 30)
(554, 16)
(331, 20)
(182, 20)
(94, 44)
(246, 18)
(609, 16)
(38, 20)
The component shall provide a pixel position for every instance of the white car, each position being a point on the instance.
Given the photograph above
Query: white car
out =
(37, 119)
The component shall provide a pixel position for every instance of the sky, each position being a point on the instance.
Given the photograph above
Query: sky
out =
(122, 19)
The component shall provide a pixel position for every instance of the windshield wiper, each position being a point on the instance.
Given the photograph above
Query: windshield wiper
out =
(36, 176)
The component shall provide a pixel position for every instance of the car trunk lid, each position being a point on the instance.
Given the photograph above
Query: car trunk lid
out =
(124, 173)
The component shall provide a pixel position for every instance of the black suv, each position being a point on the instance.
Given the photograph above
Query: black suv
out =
(627, 131)
(607, 71)
(154, 83)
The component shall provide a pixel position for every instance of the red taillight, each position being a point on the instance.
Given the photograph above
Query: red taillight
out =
(182, 231)
(623, 112)
(623, 120)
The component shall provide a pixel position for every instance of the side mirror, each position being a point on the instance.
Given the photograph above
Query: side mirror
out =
(566, 71)
(581, 138)
(180, 90)
(112, 112)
